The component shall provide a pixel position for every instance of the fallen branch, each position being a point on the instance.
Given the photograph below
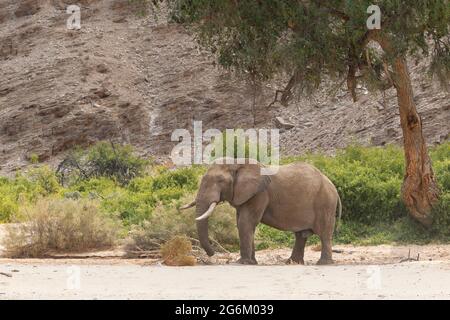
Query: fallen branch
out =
(9, 275)
(219, 246)
(409, 257)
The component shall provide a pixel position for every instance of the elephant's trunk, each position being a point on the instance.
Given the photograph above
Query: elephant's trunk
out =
(202, 230)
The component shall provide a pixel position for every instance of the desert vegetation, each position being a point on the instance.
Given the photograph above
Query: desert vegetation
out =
(272, 39)
(60, 225)
(94, 206)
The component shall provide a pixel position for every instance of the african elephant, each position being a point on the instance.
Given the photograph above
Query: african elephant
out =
(297, 198)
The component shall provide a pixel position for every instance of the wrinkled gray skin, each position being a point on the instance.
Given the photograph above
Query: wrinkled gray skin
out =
(298, 198)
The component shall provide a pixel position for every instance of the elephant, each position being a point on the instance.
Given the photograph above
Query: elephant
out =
(297, 198)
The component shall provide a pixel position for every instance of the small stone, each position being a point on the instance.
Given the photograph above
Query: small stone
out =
(102, 68)
(124, 104)
(102, 93)
(282, 124)
(120, 20)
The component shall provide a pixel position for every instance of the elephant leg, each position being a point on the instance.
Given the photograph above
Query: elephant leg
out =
(299, 249)
(324, 228)
(249, 215)
(253, 242)
(246, 240)
(326, 254)
(254, 251)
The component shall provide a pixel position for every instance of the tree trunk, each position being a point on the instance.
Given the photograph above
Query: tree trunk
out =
(419, 191)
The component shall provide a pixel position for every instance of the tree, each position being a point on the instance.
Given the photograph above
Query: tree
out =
(311, 40)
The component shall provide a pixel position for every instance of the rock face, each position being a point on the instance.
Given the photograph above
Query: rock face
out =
(136, 80)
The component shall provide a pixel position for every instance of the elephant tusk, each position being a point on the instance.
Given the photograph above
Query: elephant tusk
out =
(187, 206)
(208, 212)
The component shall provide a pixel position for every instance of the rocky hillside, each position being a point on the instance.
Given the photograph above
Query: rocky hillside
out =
(135, 80)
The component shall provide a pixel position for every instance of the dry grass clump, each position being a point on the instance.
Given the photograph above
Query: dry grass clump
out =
(61, 225)
(177, 252)
(167, 222)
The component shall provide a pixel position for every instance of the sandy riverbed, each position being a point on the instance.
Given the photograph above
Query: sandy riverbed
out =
(360, 272)
(413, 280)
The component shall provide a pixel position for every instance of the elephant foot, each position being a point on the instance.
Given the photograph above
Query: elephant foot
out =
(246, 261)
(294, 261)
(324, 261)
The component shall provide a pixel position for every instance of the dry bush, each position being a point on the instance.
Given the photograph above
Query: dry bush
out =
(167, 222)
(60, 226)
(177, 252)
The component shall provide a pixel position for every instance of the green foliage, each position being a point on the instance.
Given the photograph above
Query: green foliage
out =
(184, 178)
(441, 164)
(167, 221)
(311, 39)
(107, 160)
(441, 216)
(25, 188)
(441, 212)
(242, 145)
(34, 158)
(401, 231)
(104, 159)
(102, 187)
(267, 237)
(8, 207)
(138, 200)
(368, 181)
(45, 179)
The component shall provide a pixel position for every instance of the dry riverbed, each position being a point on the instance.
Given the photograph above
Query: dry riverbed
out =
(380, 272)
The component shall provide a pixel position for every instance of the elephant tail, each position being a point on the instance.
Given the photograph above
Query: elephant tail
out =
(338, 220)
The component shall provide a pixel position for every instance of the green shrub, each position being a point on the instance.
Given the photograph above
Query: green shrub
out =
(26, 188)
(34, 158)
(8, 208)
(239, 142)
(442, 172)
(368, 181)
(45, 179)
(101, 186)
(108, 160)
(184, 178)
(132, 208)
(441, 152)
(441, 216)
(267, 237)
(137, 201)
(103, 159)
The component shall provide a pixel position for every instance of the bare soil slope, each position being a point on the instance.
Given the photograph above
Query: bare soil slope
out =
(135, 80)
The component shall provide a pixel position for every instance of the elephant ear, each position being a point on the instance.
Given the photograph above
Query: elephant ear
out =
(248, 182)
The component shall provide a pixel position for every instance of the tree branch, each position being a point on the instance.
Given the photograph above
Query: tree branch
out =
(351, 81)
(334, 11)
(286, 93)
